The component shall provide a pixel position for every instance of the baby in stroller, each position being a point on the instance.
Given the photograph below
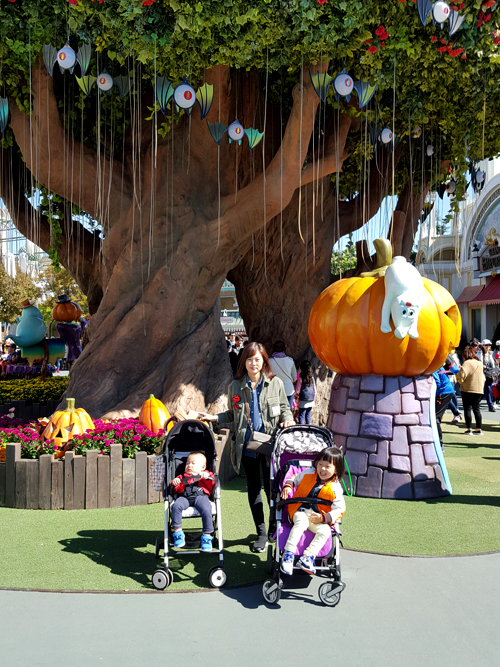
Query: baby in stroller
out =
(192, 489)
(320, 481)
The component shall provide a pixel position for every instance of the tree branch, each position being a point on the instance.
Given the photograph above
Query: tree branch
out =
(335, 154)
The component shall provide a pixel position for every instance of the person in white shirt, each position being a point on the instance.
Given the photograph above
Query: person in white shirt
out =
(284, 368)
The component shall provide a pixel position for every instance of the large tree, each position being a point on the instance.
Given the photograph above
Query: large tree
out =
(150, 215)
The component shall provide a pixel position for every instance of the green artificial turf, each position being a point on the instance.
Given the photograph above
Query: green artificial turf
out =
(113, 549)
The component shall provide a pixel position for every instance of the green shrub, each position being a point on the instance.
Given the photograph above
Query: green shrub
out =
(34, 390)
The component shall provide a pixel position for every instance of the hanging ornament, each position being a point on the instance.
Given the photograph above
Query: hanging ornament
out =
(456, 19)
(430, 150)
(385, 136)
(184, 95)
(365, 92)
(477, 178)
(441, 12)
(343, 85)
(66, 57)
(451, 186)
(321, 83)
(417, 132)
(235, 132)
(105, 81)
(4, 113)
(480, 176)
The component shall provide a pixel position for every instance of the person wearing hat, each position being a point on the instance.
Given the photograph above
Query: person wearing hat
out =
(490, 372)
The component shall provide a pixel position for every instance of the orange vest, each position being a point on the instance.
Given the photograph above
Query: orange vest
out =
(305, 487)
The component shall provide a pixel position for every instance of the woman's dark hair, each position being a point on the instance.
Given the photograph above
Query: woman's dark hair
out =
(306, 373)
(251, 350)
(279, 346)
(469, 353)
(332, 455)
(474, 343)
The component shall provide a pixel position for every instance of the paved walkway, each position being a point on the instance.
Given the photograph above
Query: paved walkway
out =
(395, 612)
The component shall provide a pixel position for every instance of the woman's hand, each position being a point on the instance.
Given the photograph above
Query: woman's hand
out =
(286, 424)
(314, 517)
(286, 492)
(204, 416)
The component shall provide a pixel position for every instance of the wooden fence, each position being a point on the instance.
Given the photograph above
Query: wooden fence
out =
(88, 482)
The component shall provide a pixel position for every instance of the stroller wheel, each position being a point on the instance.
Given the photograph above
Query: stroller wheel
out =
(271, 591)
(217, 577)
(329, 593)
(162, 579)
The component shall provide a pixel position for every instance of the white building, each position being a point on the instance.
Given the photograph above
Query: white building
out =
(466, 259)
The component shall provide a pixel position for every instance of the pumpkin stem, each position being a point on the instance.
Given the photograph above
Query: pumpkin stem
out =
(384, 258)
(151, 396)
(70, 404)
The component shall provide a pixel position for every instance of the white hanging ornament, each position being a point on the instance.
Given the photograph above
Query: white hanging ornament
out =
(441, 12)
(430, 149)
(451, 186)
(386, 135)
(184, 95)
(66, 57)
(105, 81)
(343, 84)
(480, 176)
(236, 132)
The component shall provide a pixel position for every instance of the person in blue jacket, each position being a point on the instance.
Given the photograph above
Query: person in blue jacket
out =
(444, 396)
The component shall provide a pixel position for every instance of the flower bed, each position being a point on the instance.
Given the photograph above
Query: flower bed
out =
(34, 390)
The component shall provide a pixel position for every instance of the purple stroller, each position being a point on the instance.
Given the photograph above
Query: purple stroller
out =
(295, 448)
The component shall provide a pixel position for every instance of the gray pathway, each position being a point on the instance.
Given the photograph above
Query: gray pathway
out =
(408, 612)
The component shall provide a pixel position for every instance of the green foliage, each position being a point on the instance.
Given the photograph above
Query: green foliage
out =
(52, 283)
(13, 292)
(32, 390)
(344, 260)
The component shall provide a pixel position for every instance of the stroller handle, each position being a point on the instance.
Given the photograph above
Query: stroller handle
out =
(313, 501)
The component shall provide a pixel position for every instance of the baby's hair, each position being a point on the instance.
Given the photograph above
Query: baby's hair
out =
(198, 454)
(332, 455)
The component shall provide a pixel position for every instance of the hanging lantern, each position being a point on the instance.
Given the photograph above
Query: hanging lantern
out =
(343, 84)
(66, 57)
(430, 149)
(386, 135)
(236, 131)
(105, 81)
(441, 12)
(184, 95)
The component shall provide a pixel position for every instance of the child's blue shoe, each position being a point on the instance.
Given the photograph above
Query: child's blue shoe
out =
(179, 539)
(206, 542)
(307, 564)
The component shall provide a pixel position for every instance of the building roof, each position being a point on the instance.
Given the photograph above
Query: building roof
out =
(469, 293)
(490, 294)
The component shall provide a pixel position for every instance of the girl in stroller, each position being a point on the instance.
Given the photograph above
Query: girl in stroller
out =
(321, 481)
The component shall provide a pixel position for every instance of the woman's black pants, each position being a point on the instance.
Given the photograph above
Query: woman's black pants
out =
(470, 402)
(255, 470)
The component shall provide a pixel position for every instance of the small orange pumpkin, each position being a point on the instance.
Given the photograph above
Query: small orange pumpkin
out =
(63, 425)
(154, 415)
(344, 330)
(66, 310)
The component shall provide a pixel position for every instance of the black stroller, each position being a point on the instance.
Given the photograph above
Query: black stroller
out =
(186, 437)
(295, 448)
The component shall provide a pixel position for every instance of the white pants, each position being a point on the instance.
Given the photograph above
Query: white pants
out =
(301, 523)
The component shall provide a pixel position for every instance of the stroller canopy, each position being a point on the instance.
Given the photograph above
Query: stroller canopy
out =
(190, 435)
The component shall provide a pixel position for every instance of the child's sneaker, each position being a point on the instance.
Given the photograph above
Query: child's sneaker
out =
(307, 564)
(179, 539)
(287, 563)
(206, 542)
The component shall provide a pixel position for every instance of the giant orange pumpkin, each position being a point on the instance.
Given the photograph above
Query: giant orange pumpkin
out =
(344, 330)
(154, 414)
(66, 311)
(63, 425)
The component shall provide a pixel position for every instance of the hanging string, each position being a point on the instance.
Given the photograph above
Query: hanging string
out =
(218, 178)
(281, 169)
(393, 140)
(300, 143)
(264, 168)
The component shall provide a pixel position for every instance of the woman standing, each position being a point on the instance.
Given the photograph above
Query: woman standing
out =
(284, 368)
(257, 402)
(471, 380)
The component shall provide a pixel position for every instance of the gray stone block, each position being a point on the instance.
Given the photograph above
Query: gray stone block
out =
(371, 485)
(339, 399)
(372, 382)
(430, 455)
(424, 416)
(400, 463)
(347, 424)
(390, 400)
(423, 387)
(381, 458)
(409, 404)
(329, 421)
(429, 489)
(336, 381)
(352, 383)
(377, 426)
(408, 420)
(397, 486)
(406, 384)
(420, 471)
(399, 444)
(357, 462)
(420, 434)
(362, 444)
(365, 403)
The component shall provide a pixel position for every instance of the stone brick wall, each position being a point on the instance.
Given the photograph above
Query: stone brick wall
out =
(383, 424)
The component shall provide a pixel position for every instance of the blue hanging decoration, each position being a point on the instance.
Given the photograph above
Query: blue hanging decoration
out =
(49, 57)
(105, 81)
(365, 92)
(321, 83)
(66, 57)
(205, 97)
(343, 85)
(164, 93)
(254, 137)
(123, 84)
(4, 113)
(440, 13)
(217, 131)
(83, 57)
(86, 83)
(455, 20)
(424, 9)
(235, 132)
(184, 96)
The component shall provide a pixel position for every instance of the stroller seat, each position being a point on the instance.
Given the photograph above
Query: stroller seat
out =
(192, 512)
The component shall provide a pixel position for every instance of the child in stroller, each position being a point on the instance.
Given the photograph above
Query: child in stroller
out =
(295, 464)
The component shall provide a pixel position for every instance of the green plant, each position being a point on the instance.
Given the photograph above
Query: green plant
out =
(34, 390)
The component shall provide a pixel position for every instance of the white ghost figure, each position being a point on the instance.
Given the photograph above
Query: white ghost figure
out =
(404, 294)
